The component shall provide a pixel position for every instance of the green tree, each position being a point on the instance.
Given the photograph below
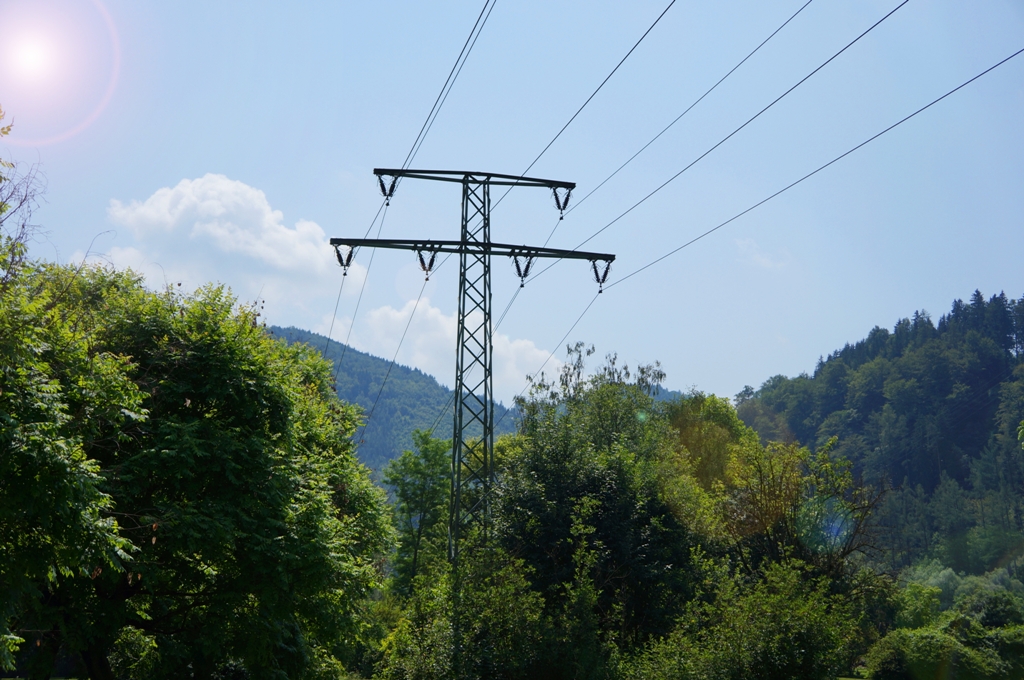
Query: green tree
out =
(55, 520)
(421, 483)
(581, 502)
(253, 531)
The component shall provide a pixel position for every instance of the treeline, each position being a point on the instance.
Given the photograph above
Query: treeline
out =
(180, 498)
(932, 413)
(642, 539)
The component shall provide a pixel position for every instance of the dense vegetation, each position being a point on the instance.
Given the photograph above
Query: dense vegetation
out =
(411, 400)
(178, 492)
(180, 498)
(635, 538)
(932, 412)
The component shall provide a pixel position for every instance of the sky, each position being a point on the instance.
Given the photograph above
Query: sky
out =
(227, 142)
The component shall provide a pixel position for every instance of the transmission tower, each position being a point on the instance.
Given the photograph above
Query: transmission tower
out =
(473, 430)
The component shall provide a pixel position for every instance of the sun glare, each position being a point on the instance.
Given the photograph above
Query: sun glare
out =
(33, 58)
(59, 65)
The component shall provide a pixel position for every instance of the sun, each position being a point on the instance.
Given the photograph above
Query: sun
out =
(59, 65)
(33, 58)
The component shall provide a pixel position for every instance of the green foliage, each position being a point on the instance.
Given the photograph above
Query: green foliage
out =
(919, 606)
(499, 624)
(711, 434)
(787, 502)
(246, 531)
(929, 653)
(421, 483)
(784, 625)
(590, 453)
(932, 411)
(55, 520)
(994, 608)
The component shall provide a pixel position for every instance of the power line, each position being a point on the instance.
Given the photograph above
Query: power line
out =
(359, 300)
(723, 140)
(394, 358)
(571, 329)
(749, 121)
(729, 136)
(592, 95)
(543, 151)
(428, 123)
(449, 81)
(680, 116)
(814, 172)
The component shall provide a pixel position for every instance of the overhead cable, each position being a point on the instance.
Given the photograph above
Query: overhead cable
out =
(679, 117)
(815, 172)
(592, 95)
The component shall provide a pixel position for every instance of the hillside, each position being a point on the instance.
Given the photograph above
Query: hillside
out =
(411, 399)
(931, 410)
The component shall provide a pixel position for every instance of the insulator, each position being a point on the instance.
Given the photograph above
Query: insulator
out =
(383, 189)
(522, 269)
(344, 260)
(391, 189)
(427, 265)
(601, 277)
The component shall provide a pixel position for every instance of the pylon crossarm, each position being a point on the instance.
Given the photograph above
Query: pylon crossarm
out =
(461, 176)
(472, 248)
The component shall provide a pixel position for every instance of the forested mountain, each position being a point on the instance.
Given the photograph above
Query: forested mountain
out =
(931, 410)
(411, 399)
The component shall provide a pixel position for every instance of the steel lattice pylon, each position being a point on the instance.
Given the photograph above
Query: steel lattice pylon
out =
(472, 455)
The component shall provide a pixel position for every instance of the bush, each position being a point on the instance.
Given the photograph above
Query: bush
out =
(1009, 643)
(993, 608)
(782, 627)
(929, 653)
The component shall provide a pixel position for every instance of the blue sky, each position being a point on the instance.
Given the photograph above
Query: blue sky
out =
(226, 141)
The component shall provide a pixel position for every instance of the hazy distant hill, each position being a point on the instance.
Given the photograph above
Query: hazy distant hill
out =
(411, 399)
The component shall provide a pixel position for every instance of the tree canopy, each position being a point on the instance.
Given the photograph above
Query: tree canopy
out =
(178, 493)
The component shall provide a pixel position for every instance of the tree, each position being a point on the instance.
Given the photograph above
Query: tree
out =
(580, 502)
(55, 520)
(787, 502)
(251, 530)
(421, 482)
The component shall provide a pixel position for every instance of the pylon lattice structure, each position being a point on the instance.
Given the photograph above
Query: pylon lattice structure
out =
(473, 429)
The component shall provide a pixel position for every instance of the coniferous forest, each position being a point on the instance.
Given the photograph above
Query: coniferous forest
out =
(180, 497)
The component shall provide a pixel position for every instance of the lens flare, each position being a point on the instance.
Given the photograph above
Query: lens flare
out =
(59, 66)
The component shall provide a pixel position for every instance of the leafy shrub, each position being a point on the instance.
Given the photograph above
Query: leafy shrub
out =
(993, 608)
(929, 653)
(782, 627)
(1009, 643)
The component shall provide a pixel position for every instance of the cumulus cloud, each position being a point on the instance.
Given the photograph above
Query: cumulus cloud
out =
(232, 217)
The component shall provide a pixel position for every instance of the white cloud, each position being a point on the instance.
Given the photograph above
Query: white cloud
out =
(230, 215)
(430, 345)
(751, 252)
